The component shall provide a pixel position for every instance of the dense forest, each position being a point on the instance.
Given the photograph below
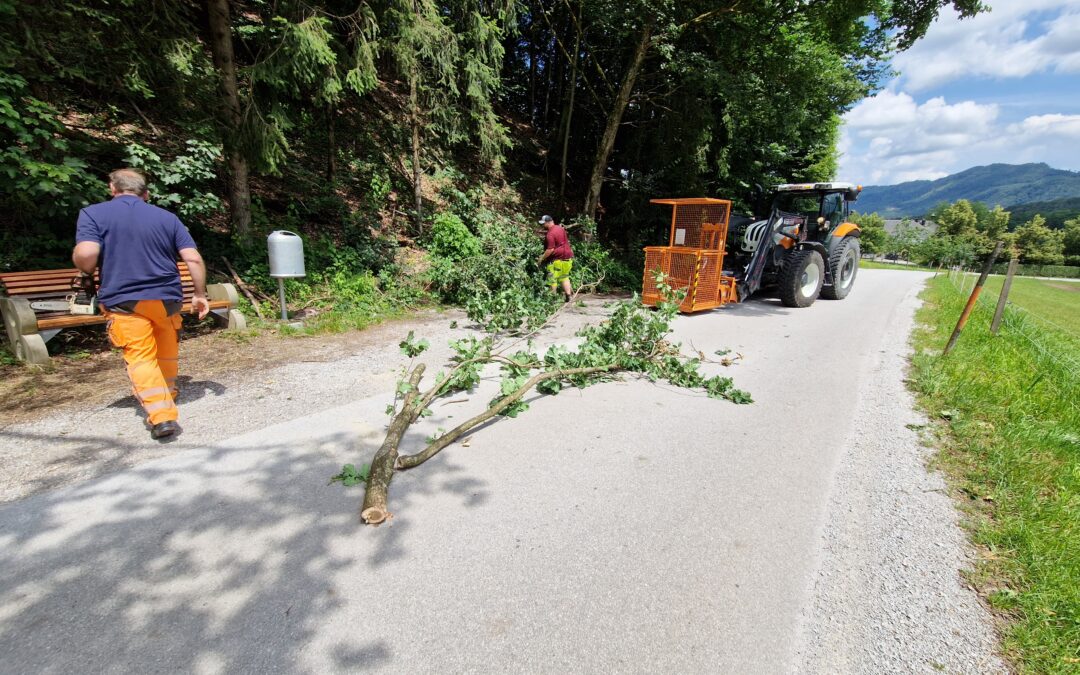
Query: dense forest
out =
(376, 127)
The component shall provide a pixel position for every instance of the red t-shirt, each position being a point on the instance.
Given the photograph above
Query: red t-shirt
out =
(556, 239)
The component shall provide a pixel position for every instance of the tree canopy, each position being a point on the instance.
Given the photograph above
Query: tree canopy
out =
(249, 111)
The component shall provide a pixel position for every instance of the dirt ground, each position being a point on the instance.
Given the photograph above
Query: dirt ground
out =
(88, 371)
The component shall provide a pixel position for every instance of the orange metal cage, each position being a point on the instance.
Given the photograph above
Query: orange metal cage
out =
(694, 257)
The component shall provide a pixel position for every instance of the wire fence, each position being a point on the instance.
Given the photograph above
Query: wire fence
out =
(1046, 336)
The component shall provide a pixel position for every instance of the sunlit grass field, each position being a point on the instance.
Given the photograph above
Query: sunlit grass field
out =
(1007, 413)
(1055, 301)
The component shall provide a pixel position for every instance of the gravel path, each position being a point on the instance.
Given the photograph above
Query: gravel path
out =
(887, 596)
(77, 442)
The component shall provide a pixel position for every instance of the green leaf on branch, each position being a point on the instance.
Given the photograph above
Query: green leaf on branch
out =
(412, 347)
(349, 475)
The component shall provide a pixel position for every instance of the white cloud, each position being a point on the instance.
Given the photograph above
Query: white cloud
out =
(896, 125)
(1006, 42)
(1064, 126)
(891, 138)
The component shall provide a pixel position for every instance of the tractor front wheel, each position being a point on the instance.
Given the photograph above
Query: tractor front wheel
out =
(801, 278)
(843, 266)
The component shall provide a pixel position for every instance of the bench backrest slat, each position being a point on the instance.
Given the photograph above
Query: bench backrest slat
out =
(56, 285)
(17, 284)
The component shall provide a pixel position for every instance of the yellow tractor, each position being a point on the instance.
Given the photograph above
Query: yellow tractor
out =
(806, 247)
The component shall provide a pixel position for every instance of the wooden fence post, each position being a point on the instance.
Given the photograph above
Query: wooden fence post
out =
(974, 296)
(1004, 297)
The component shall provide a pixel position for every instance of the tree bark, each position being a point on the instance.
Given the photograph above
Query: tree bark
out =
(418, 193)
(221, 50)
(331, 145)
(607, 141)
(374, 511)
(569, 117)
(532, 75)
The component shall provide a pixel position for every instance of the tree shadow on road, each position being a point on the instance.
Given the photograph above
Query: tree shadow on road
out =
(225, 559)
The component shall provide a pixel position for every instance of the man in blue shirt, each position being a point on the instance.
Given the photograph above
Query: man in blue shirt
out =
(136, 246)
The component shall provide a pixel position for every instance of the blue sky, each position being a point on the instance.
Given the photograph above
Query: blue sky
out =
(1000, 87)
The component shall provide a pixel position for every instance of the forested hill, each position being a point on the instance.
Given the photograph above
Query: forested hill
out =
(361, 123)
(997, 184)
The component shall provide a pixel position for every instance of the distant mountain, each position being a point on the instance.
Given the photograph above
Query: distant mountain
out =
(1005, 184)
(1055, 212)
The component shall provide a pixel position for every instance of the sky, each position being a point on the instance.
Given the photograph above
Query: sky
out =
(1003, 86)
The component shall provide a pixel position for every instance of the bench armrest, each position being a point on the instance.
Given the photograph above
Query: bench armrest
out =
(223, 292)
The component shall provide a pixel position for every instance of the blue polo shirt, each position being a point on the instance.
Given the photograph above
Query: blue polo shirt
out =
(140, 244)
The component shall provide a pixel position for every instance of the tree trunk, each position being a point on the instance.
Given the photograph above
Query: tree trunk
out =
(331, 145)
(547, 89)
(607, 142)
(532, 79)
(221, 49)
(569, 117)
(418, 176)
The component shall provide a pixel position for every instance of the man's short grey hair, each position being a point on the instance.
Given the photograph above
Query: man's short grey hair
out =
(131, 181)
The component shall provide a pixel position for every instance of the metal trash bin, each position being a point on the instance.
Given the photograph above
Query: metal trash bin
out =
(286, 261)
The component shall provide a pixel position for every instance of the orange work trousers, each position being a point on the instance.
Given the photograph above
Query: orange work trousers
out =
(150, 338)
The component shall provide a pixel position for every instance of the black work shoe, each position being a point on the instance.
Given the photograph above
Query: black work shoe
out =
(164, 429)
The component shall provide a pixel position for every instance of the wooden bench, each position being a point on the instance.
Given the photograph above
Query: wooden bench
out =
(28, 329)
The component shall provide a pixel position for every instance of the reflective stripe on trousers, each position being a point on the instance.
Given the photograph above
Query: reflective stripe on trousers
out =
(150, 340)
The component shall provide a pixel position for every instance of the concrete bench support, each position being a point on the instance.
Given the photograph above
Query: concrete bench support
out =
(27, 340)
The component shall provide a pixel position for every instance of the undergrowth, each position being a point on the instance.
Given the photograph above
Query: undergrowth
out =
(1010, 440)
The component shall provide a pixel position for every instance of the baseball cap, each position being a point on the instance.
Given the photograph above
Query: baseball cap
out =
(546, 219)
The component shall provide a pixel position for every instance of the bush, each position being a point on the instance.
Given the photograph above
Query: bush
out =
(451, 239)
(593, 261)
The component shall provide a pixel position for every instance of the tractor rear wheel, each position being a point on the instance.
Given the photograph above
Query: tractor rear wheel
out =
(801, 278)
(843, 266)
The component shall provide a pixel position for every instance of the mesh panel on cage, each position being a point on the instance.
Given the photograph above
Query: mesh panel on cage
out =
(699, 225)
(708, 280)
(682, 269)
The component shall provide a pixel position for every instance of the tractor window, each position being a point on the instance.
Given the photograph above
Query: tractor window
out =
(797, 203)
(832, 208)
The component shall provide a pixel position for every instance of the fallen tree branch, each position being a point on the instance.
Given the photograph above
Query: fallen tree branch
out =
(631, 340)
(409, 461)
(248, 292)
(373, 511)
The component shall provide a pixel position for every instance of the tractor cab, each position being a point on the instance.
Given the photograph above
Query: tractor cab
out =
(825, 205)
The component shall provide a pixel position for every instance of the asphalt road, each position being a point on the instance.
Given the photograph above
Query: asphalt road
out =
(629, 527)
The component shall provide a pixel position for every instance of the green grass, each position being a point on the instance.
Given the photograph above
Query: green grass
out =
(1010, 442)
(1055, 301)
(880, 265)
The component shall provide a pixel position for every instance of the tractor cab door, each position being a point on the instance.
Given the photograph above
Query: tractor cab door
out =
(834, 209)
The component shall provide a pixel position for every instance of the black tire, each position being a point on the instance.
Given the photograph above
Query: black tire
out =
(801, 278)
(843, 266)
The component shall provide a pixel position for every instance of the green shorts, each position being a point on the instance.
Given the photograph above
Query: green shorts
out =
(558, 270)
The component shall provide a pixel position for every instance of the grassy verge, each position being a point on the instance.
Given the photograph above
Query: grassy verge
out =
(1010, 440)
(880, 265)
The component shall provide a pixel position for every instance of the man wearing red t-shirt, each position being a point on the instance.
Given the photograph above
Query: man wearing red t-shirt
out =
(557, 250)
